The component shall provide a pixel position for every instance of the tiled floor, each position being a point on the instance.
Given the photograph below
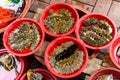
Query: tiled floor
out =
(111, 8)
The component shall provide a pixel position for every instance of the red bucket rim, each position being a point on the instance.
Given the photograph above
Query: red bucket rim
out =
(40, 69)
(42, 15)
(46, 56)
(112, 52)
(7, 31)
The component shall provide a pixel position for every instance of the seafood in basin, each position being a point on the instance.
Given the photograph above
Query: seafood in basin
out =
(59, 22)
(8, 62)
(26, 35)
(10, 66)
(31, 75)
(66, 58)
(96, 33)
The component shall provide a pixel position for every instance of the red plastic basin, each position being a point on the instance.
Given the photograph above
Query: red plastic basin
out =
(56, 7)
(99, 17)
(57, 42)
(15, 25)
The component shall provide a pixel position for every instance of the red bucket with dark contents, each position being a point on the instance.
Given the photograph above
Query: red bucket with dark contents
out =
(23, 37)
(11, 67)
(66, 57)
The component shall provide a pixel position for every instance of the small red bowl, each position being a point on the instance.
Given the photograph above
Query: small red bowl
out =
(15, 25)
(56, 7)
(23, 66)
(59, 41)
(113, 52)
(115, 72)
(46, 74)
(99, 17)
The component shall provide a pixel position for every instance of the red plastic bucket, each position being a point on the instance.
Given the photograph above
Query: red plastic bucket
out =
(15, 25)
(46, 74)
(113, 52)
(99, 17)
(55, 7)
(59, 41)
(23, 67)
(115, 72)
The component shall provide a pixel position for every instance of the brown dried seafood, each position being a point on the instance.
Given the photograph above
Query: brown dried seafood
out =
(59, 22)
(8, 62)
(97, 34)
(66, 58)
(31, 75)
(90, 21)
(25, 35)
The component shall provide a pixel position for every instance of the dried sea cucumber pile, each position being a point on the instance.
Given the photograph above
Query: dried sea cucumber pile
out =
(59, 22)
(96, 33)
(64, 58)
(25, 35)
